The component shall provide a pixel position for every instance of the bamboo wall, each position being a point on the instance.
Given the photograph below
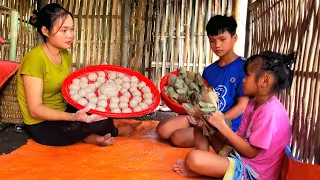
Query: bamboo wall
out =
(149, 36)
(26, 34)
(285, 26)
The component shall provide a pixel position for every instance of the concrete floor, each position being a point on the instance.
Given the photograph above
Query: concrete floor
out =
(11, 140)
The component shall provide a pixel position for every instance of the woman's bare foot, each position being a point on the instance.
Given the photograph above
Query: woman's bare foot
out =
(127, 130)
(180, 168)
(105, 140)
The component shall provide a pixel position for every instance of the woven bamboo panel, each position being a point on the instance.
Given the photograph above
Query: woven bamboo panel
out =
(285, 26)
(9, 106)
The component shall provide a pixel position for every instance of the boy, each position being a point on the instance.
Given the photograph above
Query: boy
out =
(225, 75)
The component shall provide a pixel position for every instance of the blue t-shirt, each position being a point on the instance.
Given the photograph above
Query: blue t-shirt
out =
(227, 81)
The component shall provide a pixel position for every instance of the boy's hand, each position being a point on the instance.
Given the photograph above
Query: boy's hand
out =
(216, 119)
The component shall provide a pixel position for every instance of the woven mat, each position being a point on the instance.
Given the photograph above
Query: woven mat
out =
(142, 156)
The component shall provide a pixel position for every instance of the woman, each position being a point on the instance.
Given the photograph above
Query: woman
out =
(49, 120)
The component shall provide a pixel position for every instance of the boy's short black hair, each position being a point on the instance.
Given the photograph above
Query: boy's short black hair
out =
(219, 24)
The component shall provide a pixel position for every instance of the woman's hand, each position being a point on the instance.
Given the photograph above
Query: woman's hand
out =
(82, 116)
(216, 119)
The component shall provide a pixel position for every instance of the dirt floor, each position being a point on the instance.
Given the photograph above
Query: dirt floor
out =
(10, 140)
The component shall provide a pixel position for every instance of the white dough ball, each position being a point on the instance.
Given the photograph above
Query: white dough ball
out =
(136, 93)
(83, 84)
(97, 84)
(109, 89)
(134, 84)
(75, 97)
(148, 101)
(137, 109)
(146, 89)
(141, 85)
(110, 81)
(112, 75)
(127, 94)
(93, 100)
(101, 79)
(126, 110)
(126, 85)
(102, 96)
(123, 105)
(92, 76)
(116, 110)
(74, 87)
(82, 92)
(91, 106)
(125, 79)
(114, 100)
(72, 92)
(132, 89)
(137, 98)
(124, 99)
(84, 79)
(92, 86)
(113, 105)
(134, 79)
(120, 74)
(88, 89)
(102, 103)
(76, 81)
(90, 94)
(118, 81)
(122, 90)
(102, 74)
(143, 105)
(147, 95)
(133, 103)
(99, 108)
(82, 101)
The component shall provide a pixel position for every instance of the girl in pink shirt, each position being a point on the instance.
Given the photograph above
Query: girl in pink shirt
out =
(257, 149)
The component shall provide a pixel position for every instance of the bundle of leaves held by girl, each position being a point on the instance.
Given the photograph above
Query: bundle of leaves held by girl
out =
(197, 99)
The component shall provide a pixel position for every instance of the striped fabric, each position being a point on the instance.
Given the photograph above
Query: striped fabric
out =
(7, 69)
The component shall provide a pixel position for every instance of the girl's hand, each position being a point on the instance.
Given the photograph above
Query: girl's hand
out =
(216, 119)
(82, 116)
(192, 120)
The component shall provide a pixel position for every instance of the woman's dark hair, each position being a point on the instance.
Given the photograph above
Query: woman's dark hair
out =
(47, 17)
(218, 24)
(278, 64)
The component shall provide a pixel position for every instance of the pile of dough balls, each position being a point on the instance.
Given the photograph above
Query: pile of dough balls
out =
(114, 91)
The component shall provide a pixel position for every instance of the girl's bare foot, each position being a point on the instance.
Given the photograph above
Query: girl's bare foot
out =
(127, 130)
(180, 168)
(105, 140)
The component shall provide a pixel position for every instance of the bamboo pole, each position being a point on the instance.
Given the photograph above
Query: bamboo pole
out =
(170, 53)
(125, 32)
(200, 35)
(13, 35)
(163, 40)
(177, 54)
(187, 36)
(99, 34)
(105, 31)
(207, 49)
(194, 49)
(141, 25)
(158, 16)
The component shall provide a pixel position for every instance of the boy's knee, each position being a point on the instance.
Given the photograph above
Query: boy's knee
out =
(162, 132)
(176, 140)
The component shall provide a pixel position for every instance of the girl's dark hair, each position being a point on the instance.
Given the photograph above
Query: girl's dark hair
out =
(47, 17)
(278, 64)
(219, 24)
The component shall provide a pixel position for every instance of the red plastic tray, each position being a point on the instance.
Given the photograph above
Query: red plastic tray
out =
(176, 107)
(106, 68)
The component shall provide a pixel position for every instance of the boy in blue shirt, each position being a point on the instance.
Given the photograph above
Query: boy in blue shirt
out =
(225, 76)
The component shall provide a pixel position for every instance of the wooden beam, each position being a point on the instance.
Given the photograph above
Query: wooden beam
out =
(125, 31)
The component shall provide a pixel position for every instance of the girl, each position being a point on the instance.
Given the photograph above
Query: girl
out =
(41, 73)
(259, 144)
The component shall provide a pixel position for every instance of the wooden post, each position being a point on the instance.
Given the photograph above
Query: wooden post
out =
(125, 31)
(248, 40)
(238, 8)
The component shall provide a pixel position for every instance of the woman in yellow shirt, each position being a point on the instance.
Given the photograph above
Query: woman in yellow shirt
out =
(48, 119)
